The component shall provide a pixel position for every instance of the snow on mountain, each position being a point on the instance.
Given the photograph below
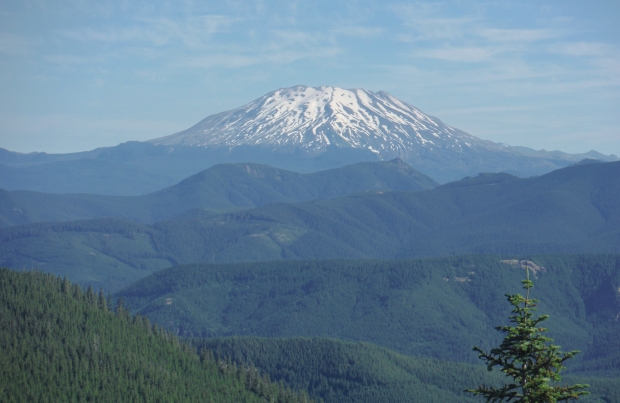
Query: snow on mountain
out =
(314, 118)
(313, 128)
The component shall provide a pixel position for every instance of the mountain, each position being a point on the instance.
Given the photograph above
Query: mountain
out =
(222, 187)
(311, 121)
(315, 118)
(432, 307)
(61, 344)
(303, 129)
(575, 209)
(571, 210)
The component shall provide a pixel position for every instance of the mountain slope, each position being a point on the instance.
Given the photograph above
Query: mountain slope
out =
(576, 209)
(315, 118)
(59, 344)
(433, 307)
(346, 372)
(222, 187)
(250, 185)
(573, 210)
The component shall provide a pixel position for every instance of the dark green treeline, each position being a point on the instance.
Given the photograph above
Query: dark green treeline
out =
(61, 344)
(345, 372)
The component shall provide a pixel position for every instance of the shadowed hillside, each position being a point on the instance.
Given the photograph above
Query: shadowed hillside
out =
(221, 188)
(572, 210)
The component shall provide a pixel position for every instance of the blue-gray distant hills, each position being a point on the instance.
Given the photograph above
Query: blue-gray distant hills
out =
(571, 210)
(303, 129)
(223, 187)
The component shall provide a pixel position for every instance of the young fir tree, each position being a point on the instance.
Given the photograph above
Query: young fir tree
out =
(528, 357)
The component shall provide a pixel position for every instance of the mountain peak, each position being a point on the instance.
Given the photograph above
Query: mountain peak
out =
(328, 126)
(315, 118)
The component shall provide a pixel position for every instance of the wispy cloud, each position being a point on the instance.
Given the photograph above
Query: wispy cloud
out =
(423, 29)
(216, 60)
(358, 31)
(71, 60)
(427, 21)
(466, 54)
(518, 35)
(192, 31)
(206, 42)
(526, 60)
(582, 49)
(470, 60)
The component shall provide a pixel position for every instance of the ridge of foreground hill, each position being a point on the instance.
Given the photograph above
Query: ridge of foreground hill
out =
(572, 210)
(221, 187)
(433, 307)
(59, 344)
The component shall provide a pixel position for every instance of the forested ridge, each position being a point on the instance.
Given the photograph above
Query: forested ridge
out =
(297, 292)
(434, 307)
(59, 343)
(572, 210)
(219, 188)
(346, 372)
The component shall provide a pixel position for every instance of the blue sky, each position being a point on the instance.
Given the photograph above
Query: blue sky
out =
(77, 74)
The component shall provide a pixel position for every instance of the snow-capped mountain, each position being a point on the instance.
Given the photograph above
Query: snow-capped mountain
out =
(311, 128)
(302, 129)
(314, 118)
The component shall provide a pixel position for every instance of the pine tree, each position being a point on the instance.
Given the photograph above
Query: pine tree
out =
(66, 286)
(528, 357)
(90, 295)
(121, 311)
(102, 303)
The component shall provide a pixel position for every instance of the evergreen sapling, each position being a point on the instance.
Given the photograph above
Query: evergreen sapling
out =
(527, 356)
